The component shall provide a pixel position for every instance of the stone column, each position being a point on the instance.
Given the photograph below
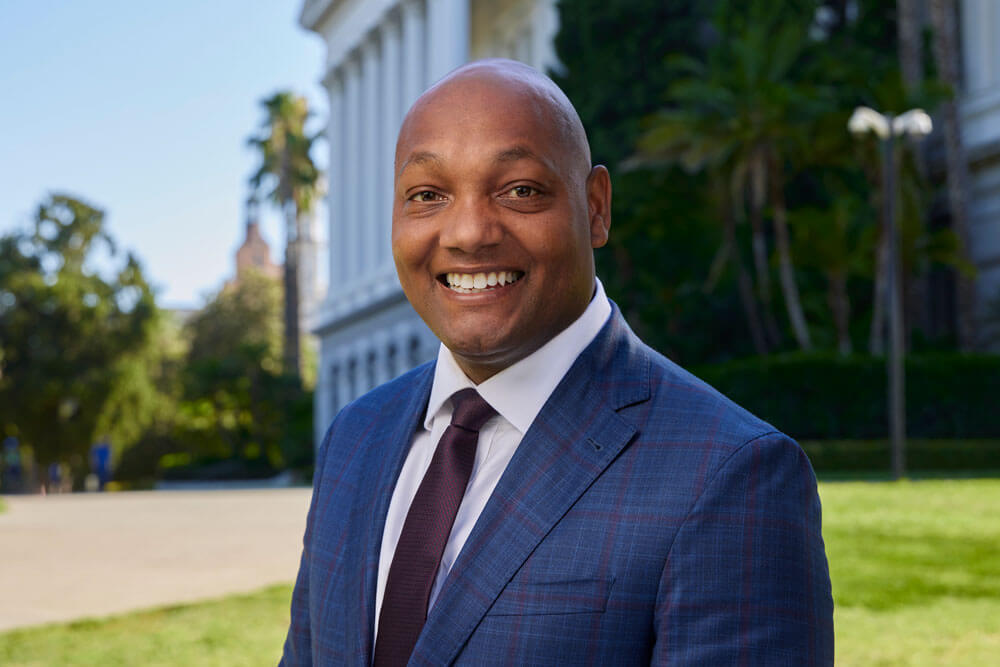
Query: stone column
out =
(353, 375)
(343, 381)
(320, 408)
(391, 116)
(381, 347)
(336, 191)
(402, 340)
(391, 354)
(414, 71)
(447, 36)
(371, 157)
(352, 165)
(544, 26)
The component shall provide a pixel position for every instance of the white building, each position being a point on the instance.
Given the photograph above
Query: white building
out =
(381, 54)
(980, 109)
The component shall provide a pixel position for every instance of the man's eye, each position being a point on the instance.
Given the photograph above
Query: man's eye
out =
(522, 191)
(426, 196)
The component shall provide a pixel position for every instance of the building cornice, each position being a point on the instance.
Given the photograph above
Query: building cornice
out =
(314, 12)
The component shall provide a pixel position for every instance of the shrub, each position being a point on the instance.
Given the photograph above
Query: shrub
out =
(921, 455)
(824, 396)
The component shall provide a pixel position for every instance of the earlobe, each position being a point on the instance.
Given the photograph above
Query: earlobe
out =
(598, 231)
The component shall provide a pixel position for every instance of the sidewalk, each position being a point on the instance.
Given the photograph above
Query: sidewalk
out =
(84, 555)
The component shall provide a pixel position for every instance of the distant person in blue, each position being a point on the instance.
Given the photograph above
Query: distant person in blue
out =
(12, 472)
(100, 463)
(549, 490)
(55, 484)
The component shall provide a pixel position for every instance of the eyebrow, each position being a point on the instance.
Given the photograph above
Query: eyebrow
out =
(420, 157)
(514, 154)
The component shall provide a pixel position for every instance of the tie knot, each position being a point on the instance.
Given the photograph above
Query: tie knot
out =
(471, 410)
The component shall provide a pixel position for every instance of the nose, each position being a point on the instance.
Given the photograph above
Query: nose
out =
(470, 225)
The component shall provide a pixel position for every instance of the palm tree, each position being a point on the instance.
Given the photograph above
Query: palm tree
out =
(290, 177)
(683, 137)
(742, 111)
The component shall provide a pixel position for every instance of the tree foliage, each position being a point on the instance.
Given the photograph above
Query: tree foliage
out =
(289, 178)
(742, 112)
(237, 403)
(724, 124)
(663, 231)
(65, 330)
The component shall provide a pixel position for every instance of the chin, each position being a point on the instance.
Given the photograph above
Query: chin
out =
(479, 350)
(484, 349)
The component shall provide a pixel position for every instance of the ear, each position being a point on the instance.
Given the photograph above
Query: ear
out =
(599, 205)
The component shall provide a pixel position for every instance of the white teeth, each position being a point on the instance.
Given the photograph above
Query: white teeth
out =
(474, 282)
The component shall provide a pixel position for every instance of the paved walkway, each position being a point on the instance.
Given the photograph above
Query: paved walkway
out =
(84, 555)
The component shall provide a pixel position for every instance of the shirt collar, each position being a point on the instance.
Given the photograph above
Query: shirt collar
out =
(519, 391)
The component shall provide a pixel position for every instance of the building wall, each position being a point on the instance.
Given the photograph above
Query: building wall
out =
(381, 54)
(980, 34)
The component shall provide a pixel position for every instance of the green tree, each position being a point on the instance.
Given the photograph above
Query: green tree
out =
(142, 411)
(743, 110)
(745, 107)
(664, 233)
(237, 403)
(290, 178)
(65, 330)
(146, 396)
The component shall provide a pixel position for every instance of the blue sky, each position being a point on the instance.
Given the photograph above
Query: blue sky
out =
(143, 109)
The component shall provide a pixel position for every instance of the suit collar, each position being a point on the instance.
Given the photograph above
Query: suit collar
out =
(575, 437)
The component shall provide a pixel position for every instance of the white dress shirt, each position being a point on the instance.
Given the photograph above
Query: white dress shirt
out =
(517, 393)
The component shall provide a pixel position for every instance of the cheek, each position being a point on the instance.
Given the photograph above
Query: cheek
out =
(405, 246)
(411, 238)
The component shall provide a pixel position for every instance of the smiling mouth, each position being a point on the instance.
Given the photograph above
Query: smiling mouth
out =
(472, 283)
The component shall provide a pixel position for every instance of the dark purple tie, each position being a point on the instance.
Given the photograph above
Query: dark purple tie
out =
(426, 530)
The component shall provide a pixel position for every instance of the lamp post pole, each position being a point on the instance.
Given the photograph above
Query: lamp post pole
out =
(917, 123)
(896, 370)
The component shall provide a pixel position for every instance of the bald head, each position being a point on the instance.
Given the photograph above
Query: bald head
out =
(505, 86)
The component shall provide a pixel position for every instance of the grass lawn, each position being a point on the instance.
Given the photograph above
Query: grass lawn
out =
(238, 630)
(915, 569)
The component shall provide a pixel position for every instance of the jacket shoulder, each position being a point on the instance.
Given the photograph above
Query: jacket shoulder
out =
(700, 411)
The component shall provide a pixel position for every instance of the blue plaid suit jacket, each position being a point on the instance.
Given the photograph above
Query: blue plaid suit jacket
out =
(644, 519)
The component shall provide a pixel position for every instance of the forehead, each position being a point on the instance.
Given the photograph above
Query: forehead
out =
(474, 114)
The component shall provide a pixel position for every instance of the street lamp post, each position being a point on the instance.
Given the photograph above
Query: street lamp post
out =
(887, 127)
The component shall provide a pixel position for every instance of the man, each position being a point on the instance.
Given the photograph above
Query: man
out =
(601, 506)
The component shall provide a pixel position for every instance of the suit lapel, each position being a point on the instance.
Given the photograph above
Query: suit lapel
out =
(575, 437)
(389, 443)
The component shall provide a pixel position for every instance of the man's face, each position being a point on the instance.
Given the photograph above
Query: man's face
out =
(494, 220)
